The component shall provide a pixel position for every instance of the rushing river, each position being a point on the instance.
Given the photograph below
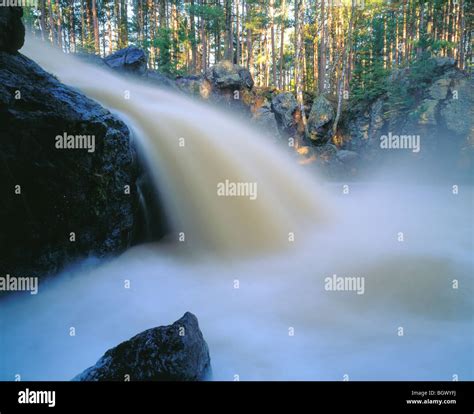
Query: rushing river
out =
(258, 272)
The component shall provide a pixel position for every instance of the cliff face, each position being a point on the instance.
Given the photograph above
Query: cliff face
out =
(67, 166)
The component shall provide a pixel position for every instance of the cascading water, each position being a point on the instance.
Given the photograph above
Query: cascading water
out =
(255, 271)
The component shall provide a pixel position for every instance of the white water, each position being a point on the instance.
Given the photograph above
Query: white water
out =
(281, 283)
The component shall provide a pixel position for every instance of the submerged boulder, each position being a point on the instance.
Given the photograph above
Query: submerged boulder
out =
(68, 173)
(12, 31)
(177, 352)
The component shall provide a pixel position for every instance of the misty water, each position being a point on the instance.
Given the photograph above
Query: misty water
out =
(281, 322)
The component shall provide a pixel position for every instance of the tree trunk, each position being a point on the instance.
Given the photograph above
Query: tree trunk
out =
(322, 51)
(272, 34)
(347, 47)
(299, 59)
(96, 27)
(282, 43)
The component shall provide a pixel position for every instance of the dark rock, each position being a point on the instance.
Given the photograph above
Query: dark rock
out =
(284, 106)
(177, 352)
(60, 190)
(12, 31)
(130, 60)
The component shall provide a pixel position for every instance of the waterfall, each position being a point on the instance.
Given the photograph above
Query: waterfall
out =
(265, 244)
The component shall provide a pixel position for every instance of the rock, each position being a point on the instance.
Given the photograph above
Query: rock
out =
(51, 195)
(227, 75)
(92, 59)
(427, 112)
(12, 31)
(320, 116)
(444, 63)
(177, 352)
(457, 113)
(284, 106)
(189, 84)
(130, 60)
(265, 119)
(346, 156)
(439, 89)
(160, 80)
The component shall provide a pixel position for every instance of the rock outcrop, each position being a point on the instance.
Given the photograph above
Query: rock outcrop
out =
(177, 352)
(320, 119)
(68, 168)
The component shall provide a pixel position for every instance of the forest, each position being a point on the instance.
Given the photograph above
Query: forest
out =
(342, 48)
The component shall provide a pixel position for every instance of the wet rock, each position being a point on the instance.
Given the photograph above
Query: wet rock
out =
(177, 352)
(59, 204)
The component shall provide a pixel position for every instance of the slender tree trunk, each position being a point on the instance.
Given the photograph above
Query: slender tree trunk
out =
(109, 27)
(237, 32)
(43, 20)
(72, 27)
(282, 43)
(299, 21)
(322, 51)
(229, 39)
(347, 47)
(96, 27)
(51, 23)
(204, 41)
(193, 38)
(272, 34)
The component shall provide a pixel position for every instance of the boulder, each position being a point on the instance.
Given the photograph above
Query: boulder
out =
(227, 75)
(177, 352)
(346, 156)
(427, 112)
(321, 115)
(12, 31)
(457, 112)
(160, 80)
(59, 205)
(265, 119)
(130, 60)
(284, 106)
